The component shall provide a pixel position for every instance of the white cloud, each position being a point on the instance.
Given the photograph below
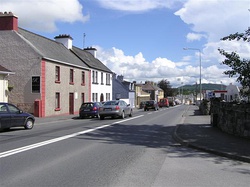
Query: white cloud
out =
(216, 17)
(136, 68)
(136, 5)
(195, 36)
(43, 15)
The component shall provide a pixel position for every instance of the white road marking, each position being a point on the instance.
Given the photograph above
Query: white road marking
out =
(36, 145)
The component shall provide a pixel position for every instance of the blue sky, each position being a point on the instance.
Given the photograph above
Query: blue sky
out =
(144, 39)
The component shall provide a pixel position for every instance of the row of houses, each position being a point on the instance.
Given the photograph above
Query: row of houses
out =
(53, 77)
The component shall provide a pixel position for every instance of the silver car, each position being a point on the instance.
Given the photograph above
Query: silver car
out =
(115, 108)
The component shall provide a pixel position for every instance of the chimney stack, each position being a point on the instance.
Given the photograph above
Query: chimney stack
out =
(91, 50)
(65, 39)
(8, 21)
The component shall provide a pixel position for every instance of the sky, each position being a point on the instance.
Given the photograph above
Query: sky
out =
(144, 40)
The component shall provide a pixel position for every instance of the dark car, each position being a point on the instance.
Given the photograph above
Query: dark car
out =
(12, 116)
(115, 108)
(142, 104)
(152, 104)
(89, 109)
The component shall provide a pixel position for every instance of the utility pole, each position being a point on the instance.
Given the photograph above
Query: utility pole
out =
(84, 35)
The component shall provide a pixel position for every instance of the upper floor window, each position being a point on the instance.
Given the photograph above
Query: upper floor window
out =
(71, 76)
(108, 79)
(83, 78)
(101, 77)
(35, 84)
(95, 77)
(57, 74)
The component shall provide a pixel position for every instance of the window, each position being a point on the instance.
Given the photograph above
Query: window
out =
(94, 97)
(107, 79)
(96, 77)
(93, 76)
(83, 97)
(101, 77)
(57, 101)
(35, 84)
(107, 96)
(57, 74)
(71, 76)
(83, 78)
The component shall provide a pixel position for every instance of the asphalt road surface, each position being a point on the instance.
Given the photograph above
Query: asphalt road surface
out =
(135, 151)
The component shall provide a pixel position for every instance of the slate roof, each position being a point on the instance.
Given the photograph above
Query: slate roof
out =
(90, 60)
(150, 87)
(50, 49)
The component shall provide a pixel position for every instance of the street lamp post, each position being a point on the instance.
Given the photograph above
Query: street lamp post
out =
(187, 48)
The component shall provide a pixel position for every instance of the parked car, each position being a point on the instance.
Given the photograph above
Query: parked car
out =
(115, 108)
(12, 116)
(163, 103)
(89, 109)
(142, 104)
(171, 101)
(152, 104)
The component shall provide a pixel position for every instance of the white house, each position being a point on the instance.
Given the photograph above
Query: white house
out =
(233, 93)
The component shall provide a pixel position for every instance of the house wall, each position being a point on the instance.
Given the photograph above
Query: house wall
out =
(64, 88)
(17, 56)
(100, 88)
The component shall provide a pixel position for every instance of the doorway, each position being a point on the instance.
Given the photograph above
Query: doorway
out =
(71, 103)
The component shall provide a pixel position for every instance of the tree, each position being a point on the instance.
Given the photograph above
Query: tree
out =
(164, 84)
(239, 67)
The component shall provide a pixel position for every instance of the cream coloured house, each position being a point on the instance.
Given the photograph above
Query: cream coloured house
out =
(5, 88)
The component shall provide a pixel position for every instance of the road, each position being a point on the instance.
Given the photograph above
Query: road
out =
(135, 151)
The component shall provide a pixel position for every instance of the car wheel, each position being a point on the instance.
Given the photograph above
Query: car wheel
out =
(131, 113)
(101, 117)
(123, 115)
(29, 124)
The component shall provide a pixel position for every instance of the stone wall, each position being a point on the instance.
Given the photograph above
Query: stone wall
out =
(232, 118)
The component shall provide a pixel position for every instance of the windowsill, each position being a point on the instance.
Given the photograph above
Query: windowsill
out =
(57, 109)
(83, 84)
(57, 82)
(108, 84)
(95, 83)
(71, 83)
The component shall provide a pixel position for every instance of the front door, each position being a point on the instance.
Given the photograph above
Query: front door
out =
(71, 103)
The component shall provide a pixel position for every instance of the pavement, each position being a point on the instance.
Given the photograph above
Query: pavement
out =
(197, 132)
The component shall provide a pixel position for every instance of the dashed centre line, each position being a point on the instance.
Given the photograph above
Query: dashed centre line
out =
(47, 142)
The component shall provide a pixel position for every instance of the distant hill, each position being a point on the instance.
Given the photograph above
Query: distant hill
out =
(204, 87)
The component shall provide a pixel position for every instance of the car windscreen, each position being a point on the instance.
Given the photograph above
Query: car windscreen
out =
(85, 105)
(111, 103)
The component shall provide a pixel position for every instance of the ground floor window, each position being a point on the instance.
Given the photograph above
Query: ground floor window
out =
(94, 97)
(107, 96)
(57, 101)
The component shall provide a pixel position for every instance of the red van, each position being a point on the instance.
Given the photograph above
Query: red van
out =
(163, 102)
